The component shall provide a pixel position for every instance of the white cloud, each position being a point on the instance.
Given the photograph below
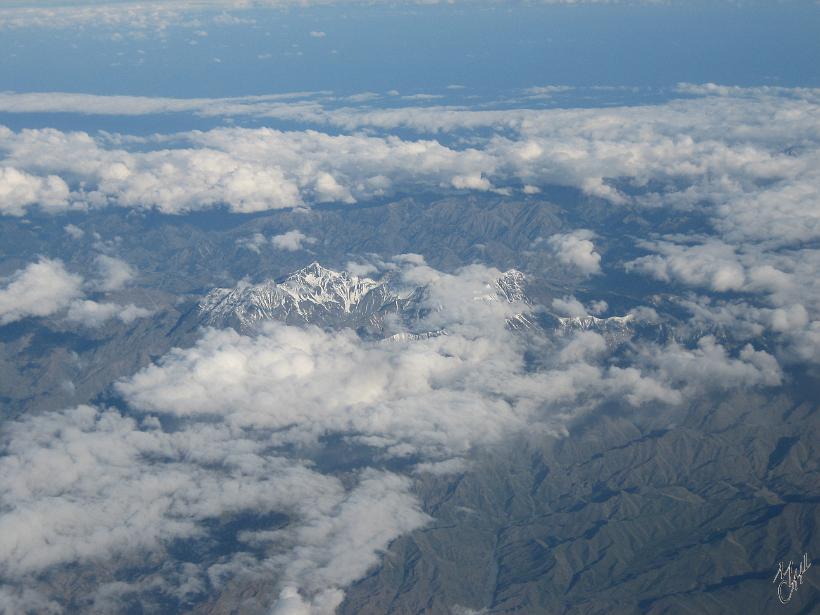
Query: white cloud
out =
(47, 288)
(805, 343)
(569, 306)
(89, 484)
(254, 243)
(584, 346)
(710, 366)
(114, 273)
(138, 17)
(93, 104)
(732, 155)
(20, 190)
(335, 550)
(645, 314)
(334, 383)
(783, 281)
(317, 34)
(94, 314)
(74, 231)
(547, 91)
(713, 265)
(577, 250)
(789, 319)
(473, 181)
(247, 170)
(436, 397)
(792, 324)
(746, 160)
(39, 289)
(26, 600)
(291, 241)
(361, 269)
(598, 307)
(93, 484)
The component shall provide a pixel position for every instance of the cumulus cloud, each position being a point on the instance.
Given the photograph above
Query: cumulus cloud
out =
(113, 272)
(437, 397)
(583, 346)
(94, 314)
(790, 318)
(731, 156)
(291, 241)
(92, 484)
(74, 231)
(645, 313)
(747, 159)
(20, 190)
(473, 181)
(135, 17)
(39, 289)
(361, 269)
(790, 326)
(26, 600)
(804, 344)
(709, 365)
(713, 265)
(89, 483)
(47, 288)
(779, 291)
(570, 307)
(410, 400)
(334, 550)
(433, 400)
(577, 250)
(254, 243)
(243, 169)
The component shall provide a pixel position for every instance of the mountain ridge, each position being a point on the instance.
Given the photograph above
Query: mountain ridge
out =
(318, 295)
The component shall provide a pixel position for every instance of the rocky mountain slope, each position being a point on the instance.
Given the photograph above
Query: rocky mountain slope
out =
(334, 299)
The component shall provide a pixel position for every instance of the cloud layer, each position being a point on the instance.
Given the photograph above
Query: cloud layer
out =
(230, 425)
(577, 250)
(47, 288)
(236, 423)
(745, 160)
(39, 289)
(748, 159)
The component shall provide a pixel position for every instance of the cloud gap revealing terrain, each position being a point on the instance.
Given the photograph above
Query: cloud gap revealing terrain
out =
(394, 307)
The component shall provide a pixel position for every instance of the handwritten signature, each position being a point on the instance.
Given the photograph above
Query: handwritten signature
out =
(790, 577)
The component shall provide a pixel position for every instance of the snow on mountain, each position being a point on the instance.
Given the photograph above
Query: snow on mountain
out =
(615, 329)
(510, 286)
(314, 295)
(328, 298)
(404, 336)
(592, 323)
(376, 310)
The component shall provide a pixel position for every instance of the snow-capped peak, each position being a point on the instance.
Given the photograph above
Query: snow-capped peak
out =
(314, 294)
(593, 322)
(322, 296)
(510, 286)
(323, 286)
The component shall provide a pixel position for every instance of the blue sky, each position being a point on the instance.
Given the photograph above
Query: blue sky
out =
(410, 48)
